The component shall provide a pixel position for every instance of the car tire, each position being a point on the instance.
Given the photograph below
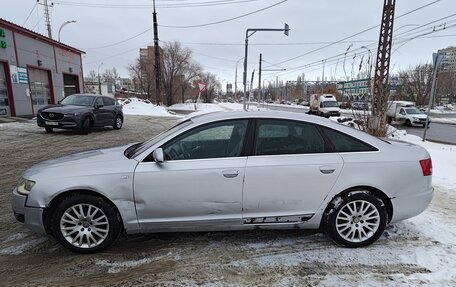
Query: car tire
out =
(356, 219)
(85, 223)
(85, 127)
(49, 129)
(408, 123)
(118, 122)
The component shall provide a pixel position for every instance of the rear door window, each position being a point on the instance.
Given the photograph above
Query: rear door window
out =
(276, 137)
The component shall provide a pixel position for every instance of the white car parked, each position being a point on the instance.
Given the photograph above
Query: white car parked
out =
(229, 171)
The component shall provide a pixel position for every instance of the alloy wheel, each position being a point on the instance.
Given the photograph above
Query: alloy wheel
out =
(357, 221)
(84, 225)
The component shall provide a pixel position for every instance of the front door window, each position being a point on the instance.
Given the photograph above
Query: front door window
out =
(218, 140)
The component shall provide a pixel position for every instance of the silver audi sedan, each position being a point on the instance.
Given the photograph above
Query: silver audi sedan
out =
(229, 171)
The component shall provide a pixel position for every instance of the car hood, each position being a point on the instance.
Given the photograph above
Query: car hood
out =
(78, 162)
(64, 109)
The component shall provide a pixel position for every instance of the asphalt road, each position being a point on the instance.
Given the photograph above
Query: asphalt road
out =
(444, 133)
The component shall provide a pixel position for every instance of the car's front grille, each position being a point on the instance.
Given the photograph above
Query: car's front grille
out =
(51, 116)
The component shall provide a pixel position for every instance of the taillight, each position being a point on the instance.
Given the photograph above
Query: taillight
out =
(426, 166)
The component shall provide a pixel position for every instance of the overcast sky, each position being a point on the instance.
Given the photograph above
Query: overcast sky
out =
(314, 24)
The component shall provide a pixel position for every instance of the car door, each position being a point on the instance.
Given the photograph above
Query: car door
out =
(99, 112)
(199, 184)
(109, 107)
(289, 174)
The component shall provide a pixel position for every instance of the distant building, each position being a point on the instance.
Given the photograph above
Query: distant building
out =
(449, 59)
(35, 70)
(107, 89)
(147, 56)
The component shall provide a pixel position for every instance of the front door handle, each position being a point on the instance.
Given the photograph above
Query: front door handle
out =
(230, 173)
(327, 169)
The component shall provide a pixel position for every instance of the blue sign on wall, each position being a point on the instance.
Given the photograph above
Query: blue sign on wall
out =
(22, 75)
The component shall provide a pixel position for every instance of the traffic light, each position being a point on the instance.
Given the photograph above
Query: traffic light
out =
(287, 29)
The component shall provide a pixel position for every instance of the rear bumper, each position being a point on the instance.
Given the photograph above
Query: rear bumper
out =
(32, 217)
(411, 205)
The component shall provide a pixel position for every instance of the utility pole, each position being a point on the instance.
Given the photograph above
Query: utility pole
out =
(47, 16)
(259, 80)
(156, 58)
(437, 59)
(380, 96)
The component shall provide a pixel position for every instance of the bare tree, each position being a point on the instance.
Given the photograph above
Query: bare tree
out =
(446, 86)
(92, 76)
(416, 83)
(193, 71)
(143, 78)
(176, 62)
(110, 75)
(212, 86)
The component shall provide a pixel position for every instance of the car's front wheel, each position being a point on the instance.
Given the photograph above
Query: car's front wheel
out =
(85, 223)
(49, 129)
(85, 127)
(118, 122)
(357, 219)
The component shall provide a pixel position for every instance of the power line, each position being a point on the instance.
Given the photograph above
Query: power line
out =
(226, 20)
(201, 25)
(334, 59)
(31, 11)
(120, 42)
(163, 6)
(354, 35)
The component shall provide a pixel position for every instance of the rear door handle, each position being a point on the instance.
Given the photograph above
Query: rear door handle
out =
(230, 173)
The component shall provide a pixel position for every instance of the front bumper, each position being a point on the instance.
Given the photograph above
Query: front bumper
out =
(411, 205)
(66, 123)
(32, 217)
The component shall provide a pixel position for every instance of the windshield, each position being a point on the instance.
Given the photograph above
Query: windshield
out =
(137, 149)
(330, 104)
(78, 100)
(413, 111)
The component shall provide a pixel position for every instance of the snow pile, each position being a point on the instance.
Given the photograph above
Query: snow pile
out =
(135, 106)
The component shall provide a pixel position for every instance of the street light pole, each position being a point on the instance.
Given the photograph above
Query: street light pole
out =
(248, 33)
(235, 77)
(99, 80)
(64, 24)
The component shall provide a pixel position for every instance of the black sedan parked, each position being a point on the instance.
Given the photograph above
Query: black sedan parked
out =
(81, 112)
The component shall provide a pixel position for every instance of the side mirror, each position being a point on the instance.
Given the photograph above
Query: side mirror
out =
(158, 155)
(98, 106)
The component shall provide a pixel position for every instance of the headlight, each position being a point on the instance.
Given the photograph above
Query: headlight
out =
(72, 115)
(416, 119)
(24, 186)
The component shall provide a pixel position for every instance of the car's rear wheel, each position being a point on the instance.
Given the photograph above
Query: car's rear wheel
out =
(118, 123)
(357, 219)
(85, 223)
(85, 128)
(49, 129)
